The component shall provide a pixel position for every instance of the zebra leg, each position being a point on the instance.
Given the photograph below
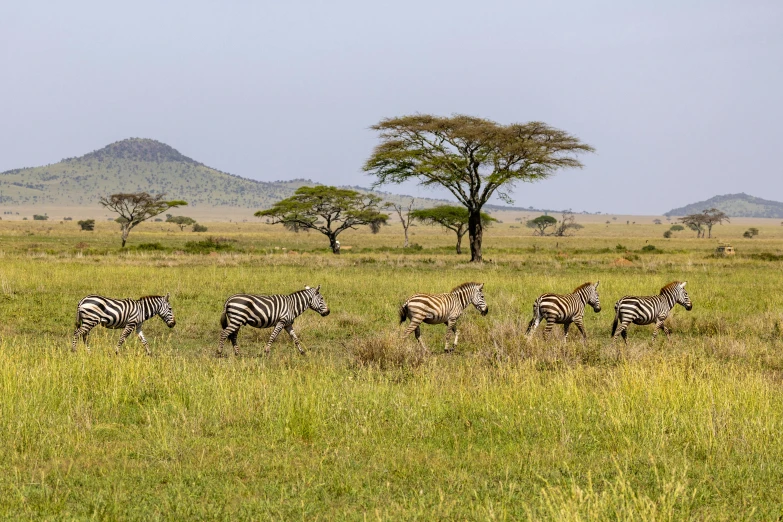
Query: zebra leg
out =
(125, 333)
(658, 326)
(622, 330)
(275, 332)
(581, 328)
(143, 340)
(532, 325)
(667, 332)
(84, 331)
(548, 328)
(417, 333)
(451, 326)
(229, 332)
(566, 326)
(290, 329)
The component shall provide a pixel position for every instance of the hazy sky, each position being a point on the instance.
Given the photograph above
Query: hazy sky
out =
(683, 100)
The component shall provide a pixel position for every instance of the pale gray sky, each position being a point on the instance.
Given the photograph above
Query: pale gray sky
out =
(682, 99)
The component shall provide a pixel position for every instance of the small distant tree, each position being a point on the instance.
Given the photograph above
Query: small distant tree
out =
(450, 217)
(695, 222)
(657, 221)
(38, 217)
(199, 228)
(405, 217)
(87, 224)
(136, 208)
(180, 221)
(567, 223)
(751, 233)
(328, 210)
(676, 228)
(667, 234)
(713, 217)
(540, 224)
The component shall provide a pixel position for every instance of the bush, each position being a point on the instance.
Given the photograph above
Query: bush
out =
(150, 246)
(667, 234)
(211, 244)
(416, 247)
(751, 233)
(87, 224)
(37, 217)
(199, 228)
(386, 351)
(620, 247)
(648, 248)
(676, 228)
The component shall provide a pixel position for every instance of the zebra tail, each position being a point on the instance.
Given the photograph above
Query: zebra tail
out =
(533, 320)
(616, 317)
(223, 320)
(78, 318)
(403, 313)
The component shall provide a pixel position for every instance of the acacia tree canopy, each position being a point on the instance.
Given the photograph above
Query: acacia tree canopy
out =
(451, 217)
(707, 218)
(180, 221)
(135, 208)
(541, 223)
(473, 158)
(328, 210)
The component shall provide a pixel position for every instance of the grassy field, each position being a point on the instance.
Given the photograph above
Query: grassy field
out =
(366, 426)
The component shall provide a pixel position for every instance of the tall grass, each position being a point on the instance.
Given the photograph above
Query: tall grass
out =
(366, 425)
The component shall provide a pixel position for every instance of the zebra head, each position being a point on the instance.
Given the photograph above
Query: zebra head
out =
(682, 297)
(477, 299)
(592, 297)
(317, 301)
(165, 312)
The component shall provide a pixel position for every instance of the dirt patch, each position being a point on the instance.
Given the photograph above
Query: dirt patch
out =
(622, 262)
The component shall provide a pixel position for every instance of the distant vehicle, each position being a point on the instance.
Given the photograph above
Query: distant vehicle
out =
(724, 250)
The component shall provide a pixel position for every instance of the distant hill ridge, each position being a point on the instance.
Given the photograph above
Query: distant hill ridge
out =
(139, 164)
(735, 205)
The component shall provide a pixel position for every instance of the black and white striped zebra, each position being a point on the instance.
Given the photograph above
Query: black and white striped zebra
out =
(649, 309)
(264, 311)
(128, 314)
(442, 308)
(564, 309)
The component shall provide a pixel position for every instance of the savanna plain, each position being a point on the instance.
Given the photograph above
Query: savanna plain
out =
(367, 425)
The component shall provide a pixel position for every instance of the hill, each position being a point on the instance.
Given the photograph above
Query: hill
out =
(735, 205)
(135, 165)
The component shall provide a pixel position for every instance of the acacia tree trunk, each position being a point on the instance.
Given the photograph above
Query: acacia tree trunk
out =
(459, 242)
(333, 244)
(125, 232)
(475, 233)
(405, 227)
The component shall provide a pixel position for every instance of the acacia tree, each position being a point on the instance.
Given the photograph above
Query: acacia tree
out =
(540, 224)
(450, 217)
(328, 210)
(180, 221)
(137, 207)
(695, 222)
(567, 223)
(712, 217)
(471, 157)
(405, 217)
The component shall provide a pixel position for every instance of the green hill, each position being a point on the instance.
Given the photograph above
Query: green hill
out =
(735, 205)
(136, 165)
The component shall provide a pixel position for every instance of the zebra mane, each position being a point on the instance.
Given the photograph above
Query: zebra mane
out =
(150, 297)
(581, 287)
(464, 286)
(671, 286)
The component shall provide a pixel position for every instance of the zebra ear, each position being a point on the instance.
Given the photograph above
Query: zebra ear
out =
(167, 297)
(307, 287)
(597, 283)
(481, 286)
(317, 289)
(682, 285)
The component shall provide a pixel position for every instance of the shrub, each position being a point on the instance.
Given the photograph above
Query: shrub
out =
(667, 234)
(676, 228)
(385, 351)
(86, 224)
(751, 233)
(38, 217)
(199, 228)
(620, 247)
(211, 244)
(150, 246)
(648, 248)
(416, 247)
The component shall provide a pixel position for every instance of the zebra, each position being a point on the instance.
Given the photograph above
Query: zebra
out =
(442, 308)
(120, 313)
(649, 309)
(564, 309)
(264, 311)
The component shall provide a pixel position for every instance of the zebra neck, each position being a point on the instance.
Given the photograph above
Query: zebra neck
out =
(300, 301)
(669, 299)
(463, 298)
(581, 295)
(147, 308)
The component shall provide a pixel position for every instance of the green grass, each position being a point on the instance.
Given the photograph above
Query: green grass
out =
(504, 429)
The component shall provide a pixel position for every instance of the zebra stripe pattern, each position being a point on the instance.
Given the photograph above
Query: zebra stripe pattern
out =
(265, 311)
(442, 308)
(564, 309)
(649, 309)
(128, 314)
